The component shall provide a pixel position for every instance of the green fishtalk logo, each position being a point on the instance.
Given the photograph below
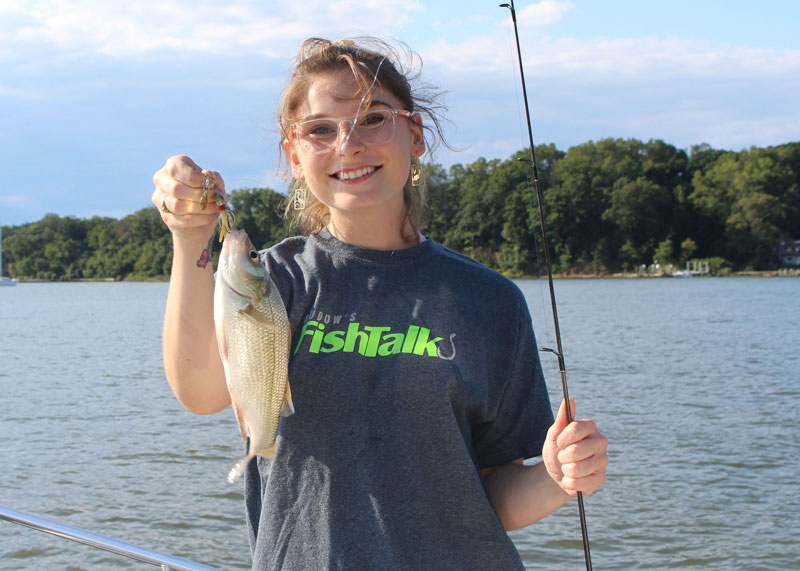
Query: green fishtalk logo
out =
(370, 341)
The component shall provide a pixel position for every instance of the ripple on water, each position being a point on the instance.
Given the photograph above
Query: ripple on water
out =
(695, 383)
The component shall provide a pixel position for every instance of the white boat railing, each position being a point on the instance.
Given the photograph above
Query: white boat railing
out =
(167, 562)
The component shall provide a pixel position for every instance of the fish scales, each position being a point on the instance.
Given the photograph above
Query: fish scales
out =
(253, 335)
(252, 358)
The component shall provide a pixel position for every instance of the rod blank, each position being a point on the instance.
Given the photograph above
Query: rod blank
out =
(559, 353)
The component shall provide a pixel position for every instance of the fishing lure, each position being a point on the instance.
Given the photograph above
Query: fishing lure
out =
(558, 352)
(226, 217)
(207, 184)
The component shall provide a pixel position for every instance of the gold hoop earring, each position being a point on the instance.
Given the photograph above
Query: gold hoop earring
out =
(416, 175)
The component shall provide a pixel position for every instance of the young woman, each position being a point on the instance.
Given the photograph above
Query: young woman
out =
(414, 371)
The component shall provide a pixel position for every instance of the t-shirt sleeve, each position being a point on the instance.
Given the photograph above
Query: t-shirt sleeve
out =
(520, 405)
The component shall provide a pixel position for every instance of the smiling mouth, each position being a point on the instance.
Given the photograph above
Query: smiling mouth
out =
(354, 174)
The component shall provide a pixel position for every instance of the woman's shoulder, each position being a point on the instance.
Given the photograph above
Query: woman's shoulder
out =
(474, 274)
(287, 248)
(284, 259)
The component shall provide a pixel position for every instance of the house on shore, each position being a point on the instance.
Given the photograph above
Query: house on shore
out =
(789, 254)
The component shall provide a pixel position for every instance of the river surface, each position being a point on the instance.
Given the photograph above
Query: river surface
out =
(695, 381)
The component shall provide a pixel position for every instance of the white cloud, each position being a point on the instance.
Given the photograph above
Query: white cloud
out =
(122, 29)
(542, 13)
(125, 28)
(646, 57)
(234, 28)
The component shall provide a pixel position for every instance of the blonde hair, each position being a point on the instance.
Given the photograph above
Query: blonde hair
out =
(373, 64)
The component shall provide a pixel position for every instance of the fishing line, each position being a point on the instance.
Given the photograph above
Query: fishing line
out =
(544, 326)
(558, 352)
(548, 332)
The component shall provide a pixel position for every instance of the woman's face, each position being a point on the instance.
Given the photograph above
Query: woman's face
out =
(355, 178)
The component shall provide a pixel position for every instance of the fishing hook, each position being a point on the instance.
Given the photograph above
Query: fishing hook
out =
(559, 353)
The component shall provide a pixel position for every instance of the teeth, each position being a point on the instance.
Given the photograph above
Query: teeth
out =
(349, 175)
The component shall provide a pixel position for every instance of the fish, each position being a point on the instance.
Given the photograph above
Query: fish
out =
(254, 338)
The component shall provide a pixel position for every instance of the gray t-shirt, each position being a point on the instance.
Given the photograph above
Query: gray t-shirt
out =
(410, 371)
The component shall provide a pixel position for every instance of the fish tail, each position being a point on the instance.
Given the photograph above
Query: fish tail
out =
(238, 468)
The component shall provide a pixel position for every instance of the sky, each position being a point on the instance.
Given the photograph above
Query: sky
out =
(96, 95)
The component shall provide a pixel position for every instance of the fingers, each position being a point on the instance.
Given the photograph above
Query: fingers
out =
(574, 432)
(184, 170)
(183, 179)
(583, 463)
(175, 213)
(586, 485)
(562, 420)
(186, 195)
(585, 466)
(580, 454)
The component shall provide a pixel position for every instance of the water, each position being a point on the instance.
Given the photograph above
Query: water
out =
(695, 381)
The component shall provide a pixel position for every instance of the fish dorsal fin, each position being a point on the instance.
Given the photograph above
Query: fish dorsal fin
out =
(288, 406)
(251, 312)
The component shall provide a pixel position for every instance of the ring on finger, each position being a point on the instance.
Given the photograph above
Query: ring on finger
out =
(164, 206)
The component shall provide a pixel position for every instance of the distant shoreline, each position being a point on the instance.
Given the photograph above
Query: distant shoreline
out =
(784, 273)
(745, 274)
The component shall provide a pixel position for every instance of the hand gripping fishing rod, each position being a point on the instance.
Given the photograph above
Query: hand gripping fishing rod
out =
(558, 352)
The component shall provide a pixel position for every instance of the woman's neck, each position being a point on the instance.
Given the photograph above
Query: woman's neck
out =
(373, 233)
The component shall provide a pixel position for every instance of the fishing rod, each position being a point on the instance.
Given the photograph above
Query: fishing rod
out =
(558, 352)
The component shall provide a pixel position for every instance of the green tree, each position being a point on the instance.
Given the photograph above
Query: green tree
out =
(586, 177)
(688, 248)
(49, 249)
(641, 210)
(608, 205)
(746, 196)
(474, 227)
(442, 198)
(664, 253)
(259, 211)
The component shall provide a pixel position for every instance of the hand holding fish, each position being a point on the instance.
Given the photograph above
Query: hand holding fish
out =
(575, 454)
(181, 194)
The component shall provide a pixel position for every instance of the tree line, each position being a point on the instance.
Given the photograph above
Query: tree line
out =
(610, 206)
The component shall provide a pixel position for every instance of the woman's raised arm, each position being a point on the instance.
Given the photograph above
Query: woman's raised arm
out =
(191, 358)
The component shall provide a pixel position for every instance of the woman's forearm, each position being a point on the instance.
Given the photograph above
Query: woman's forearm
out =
(522, 495)
(191, 359)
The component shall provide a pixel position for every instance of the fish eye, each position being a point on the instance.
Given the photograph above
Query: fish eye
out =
(253, 254)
